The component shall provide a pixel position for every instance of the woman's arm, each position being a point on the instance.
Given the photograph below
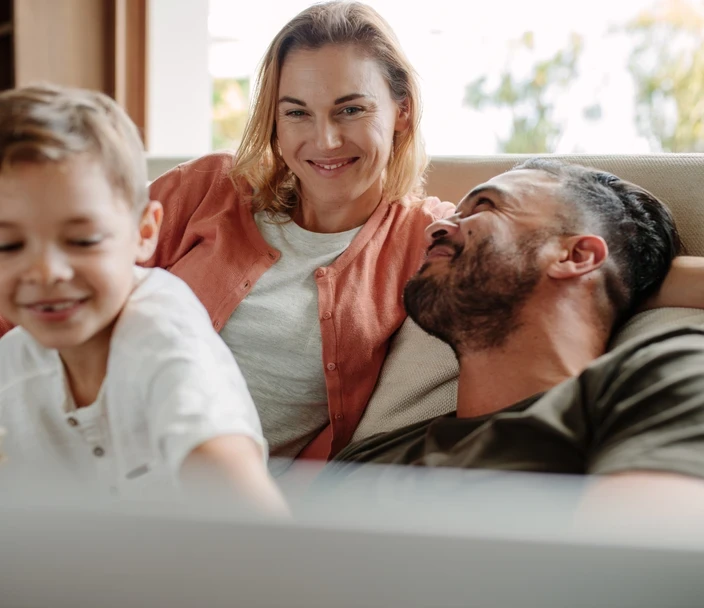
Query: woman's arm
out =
(683, 286)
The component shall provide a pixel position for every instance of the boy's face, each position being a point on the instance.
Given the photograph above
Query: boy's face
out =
(68, 244)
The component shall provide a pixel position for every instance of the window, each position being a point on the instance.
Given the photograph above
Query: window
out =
(616, 76)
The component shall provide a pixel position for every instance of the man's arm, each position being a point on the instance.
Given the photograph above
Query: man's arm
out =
(683, 287)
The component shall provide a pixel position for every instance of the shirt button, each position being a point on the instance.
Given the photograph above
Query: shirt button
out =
(98, 451)
(327, 315)
(339, 416)
(72, 421)
(320, 272)
(331, 366)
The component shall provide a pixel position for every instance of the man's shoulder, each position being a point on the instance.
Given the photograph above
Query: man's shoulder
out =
(661, 344)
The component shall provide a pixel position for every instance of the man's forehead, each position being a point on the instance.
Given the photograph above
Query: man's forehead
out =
(522, 186)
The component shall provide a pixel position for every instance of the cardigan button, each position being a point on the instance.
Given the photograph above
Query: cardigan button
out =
(272, 255)
(339, 416)
(327, 315)
(331, 366)
(246, 284)
(320, 272)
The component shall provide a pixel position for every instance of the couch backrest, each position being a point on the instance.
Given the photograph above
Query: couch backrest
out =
(676, 179)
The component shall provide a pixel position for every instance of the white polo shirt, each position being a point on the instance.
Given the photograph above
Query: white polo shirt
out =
(171, 384)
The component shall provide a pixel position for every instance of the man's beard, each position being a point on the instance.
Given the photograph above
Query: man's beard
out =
(476, 303)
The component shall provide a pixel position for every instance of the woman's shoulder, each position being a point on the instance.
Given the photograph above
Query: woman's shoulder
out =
(207, 170)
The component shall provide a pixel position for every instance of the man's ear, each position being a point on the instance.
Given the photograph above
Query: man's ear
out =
(149, 225)
(579, 255)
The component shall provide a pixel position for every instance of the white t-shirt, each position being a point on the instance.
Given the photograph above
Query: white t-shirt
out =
(171, 384)
(275, 336)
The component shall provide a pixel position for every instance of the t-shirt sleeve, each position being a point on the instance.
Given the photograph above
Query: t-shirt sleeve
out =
(651, 415)
(192, 400)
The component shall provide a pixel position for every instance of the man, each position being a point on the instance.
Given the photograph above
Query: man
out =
(526, 283)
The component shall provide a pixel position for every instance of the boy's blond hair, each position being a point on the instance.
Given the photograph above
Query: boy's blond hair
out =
(48, 123)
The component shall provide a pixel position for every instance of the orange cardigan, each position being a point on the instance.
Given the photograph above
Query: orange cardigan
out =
(210, 240)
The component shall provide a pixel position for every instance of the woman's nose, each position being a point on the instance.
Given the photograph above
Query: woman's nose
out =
(328, 135)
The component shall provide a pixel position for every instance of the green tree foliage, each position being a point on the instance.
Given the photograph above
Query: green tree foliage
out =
(230, 111)
(667, 65)
(530, 100)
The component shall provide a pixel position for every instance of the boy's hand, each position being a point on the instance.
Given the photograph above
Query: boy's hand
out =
(234, 465)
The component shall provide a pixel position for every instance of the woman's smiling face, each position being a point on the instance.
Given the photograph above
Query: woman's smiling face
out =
(335, 124)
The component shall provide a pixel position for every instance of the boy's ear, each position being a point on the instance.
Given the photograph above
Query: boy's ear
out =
(579, 255)
(149, 225)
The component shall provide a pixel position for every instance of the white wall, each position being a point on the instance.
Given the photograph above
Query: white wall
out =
(179, 87)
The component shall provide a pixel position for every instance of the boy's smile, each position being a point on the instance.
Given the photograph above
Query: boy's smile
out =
(68, 245)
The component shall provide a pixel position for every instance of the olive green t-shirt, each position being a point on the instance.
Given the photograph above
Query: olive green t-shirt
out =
(639, 407)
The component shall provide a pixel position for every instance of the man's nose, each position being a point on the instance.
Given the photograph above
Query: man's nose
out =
(328, 135)
(49, 266)
(439, 229)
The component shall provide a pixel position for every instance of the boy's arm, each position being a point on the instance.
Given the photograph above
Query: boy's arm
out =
(206, 428)
(233, 465)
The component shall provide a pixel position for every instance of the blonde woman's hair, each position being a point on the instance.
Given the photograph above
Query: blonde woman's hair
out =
(47, 123)
(260, 164)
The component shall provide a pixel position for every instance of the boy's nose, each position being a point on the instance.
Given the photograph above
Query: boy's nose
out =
(49, 267)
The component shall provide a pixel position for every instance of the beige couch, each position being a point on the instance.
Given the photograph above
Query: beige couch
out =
(419, 377)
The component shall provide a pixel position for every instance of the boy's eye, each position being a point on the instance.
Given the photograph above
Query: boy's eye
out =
(86, 242)
(9, 247)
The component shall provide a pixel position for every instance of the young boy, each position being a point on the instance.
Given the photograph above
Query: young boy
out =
(114, 375)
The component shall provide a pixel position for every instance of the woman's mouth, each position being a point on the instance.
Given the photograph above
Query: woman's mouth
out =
(333, 166)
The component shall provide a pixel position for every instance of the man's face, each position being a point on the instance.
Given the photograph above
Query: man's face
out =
(68, 245)
(485, 261)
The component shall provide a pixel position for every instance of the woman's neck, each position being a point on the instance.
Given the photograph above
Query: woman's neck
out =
(322, 216)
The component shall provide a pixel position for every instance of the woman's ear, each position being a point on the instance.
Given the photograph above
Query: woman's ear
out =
(149, 225)
(403, 120)
(579, 255)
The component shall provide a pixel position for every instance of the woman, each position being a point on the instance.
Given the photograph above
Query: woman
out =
(300, 246)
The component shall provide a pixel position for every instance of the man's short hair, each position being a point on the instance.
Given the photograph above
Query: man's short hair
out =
(48, 123)
(639, 229)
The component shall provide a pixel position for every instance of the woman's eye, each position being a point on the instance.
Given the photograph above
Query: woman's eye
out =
(351, 111)
(295, 113)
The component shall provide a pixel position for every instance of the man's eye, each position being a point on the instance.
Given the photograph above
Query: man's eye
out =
(10, 247)
(482, 204)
